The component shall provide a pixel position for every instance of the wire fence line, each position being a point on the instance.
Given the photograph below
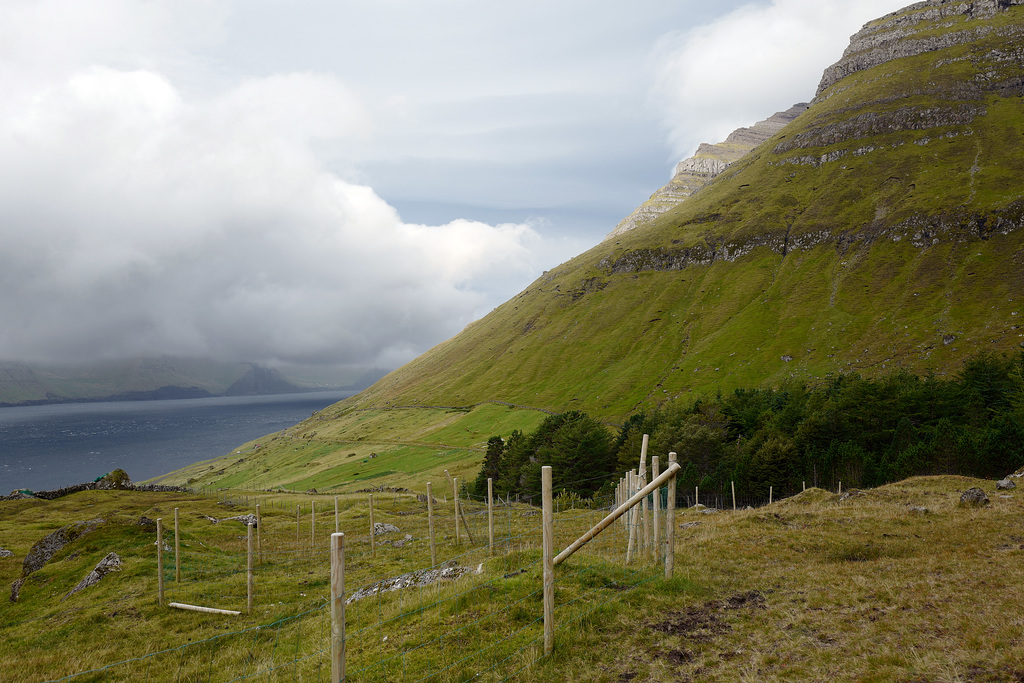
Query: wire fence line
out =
(474, 613)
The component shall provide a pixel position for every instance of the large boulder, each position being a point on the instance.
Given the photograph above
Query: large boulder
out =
(118, 479)
(1005, 484)
(50, 545)
(974, 497)
(111, 563)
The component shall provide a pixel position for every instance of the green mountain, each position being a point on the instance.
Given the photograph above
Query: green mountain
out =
(880, 229)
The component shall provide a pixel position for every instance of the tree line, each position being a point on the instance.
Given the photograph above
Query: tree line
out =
(861, 431)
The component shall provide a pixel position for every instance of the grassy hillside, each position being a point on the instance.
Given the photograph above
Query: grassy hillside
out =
(898, 583)
(882, 229)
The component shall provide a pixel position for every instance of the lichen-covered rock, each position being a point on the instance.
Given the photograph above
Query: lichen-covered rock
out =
(380, 528)
(6, 553)
(47, 547)
(1005, 484)
(244, 519)
(974, 497)
(111, 563)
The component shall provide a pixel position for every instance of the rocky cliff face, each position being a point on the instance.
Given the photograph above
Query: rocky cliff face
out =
(710, 160)
(897, 35)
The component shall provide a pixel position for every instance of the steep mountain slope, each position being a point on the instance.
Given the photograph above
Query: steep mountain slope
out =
(881, 228)
(708, 163)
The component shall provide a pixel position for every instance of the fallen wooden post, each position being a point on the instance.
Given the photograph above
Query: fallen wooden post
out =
(637, 497)
(207, 610)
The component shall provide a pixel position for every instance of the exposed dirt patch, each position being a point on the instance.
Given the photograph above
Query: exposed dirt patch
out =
(703, 622)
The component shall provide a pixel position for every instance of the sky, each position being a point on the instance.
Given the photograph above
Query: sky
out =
(346, 183)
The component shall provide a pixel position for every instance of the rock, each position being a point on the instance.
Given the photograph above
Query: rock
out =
(1018, 474)
(380, 528)
(47, 547)
(147, 524)
(111, 563)
(6, 553)
(787, 358)
(974, 497)
(689, 525)
(423, 577)
(852, 493)
(1005, 485)
(709, 511)
(699, 507)
(246, 520)
(16, 589)
(920, 510)
(118, 479)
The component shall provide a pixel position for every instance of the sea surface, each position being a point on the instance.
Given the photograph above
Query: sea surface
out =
(47, 447)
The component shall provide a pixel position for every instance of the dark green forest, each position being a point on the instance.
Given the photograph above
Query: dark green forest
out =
(863, 432)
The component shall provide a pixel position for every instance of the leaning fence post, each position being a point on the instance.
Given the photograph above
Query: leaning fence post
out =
(670, 523)
(177, 549)
(373, 541)
(337, 607)
(490, 515)
(430, 524)
(733, 485)
(656, 536)
(549, 560)
(160, 561)
(249, 578)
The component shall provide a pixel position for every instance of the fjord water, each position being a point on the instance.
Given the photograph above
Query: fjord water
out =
(50, 446)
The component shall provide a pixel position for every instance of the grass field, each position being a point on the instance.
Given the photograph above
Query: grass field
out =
(898, 583)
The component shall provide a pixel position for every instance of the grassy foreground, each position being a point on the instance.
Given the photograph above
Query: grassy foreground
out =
(897, 583)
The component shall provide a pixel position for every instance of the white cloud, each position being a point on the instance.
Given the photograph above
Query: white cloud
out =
(746, 65)
(137, 222)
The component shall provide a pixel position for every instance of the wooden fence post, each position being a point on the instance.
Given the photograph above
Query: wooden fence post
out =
(160, 561)
(455, 497)
(733, 485)
(430, 523)
(177, 549)
(670, 523)
(490, 515)
(656, 512)
(549, 560)
(645, 507)
(840, 487)
(249, 578)
(259, 535)
(696, 496)
(373, 540)
(770, 496)
(633, 516)
(337, 607)
(296, 527)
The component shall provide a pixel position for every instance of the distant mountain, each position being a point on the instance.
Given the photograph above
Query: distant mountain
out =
(880, 228)
(155, 378)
